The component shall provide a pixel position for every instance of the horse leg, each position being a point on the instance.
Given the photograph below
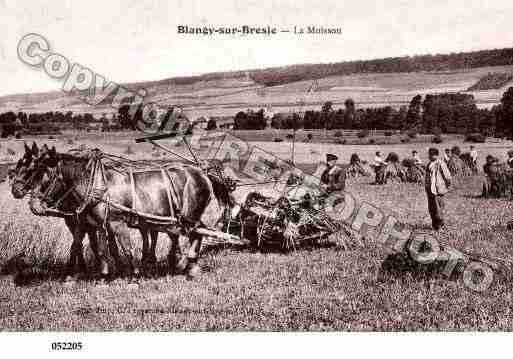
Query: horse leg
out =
(152, 255)
(171, 256)
(80, 249)
(151, 258)
(113, 247)
(71, 261)
(99, 245)
(193, 270)
(145, 247)
(92, 233)
(76, 254)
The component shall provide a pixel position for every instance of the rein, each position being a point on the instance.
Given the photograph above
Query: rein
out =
(56, 178)
(28, 183)
(47, 195)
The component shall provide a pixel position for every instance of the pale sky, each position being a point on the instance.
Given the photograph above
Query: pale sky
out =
(137, 40)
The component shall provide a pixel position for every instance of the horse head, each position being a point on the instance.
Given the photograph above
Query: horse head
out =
(30, 169)
(23, 172)
(46, 181)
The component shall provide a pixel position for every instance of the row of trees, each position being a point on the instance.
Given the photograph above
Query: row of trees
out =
(440, 113)
(250, 120)
(12, 123)
(380, 118)
(48, 122)
(449, 62)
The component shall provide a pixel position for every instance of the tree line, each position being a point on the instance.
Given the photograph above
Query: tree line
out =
(448, 62)
(16, 124)
(435, 113)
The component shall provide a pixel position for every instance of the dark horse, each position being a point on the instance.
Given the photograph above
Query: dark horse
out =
(176, 199)
(28, 174)
(24, 178)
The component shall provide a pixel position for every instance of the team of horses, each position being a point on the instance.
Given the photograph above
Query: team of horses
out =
(100, 201)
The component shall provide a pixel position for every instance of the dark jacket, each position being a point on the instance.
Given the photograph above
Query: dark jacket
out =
(335, 178)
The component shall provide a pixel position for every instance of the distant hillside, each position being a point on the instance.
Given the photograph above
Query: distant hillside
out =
(390, 81)
(293, 73)
(466, 60)
(492, 81)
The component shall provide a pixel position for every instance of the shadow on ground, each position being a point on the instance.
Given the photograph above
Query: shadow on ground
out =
(26, 273)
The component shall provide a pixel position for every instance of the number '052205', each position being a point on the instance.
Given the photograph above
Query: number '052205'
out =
(67, 346)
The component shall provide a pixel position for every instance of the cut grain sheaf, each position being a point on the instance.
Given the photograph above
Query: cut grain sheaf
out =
(498, 182)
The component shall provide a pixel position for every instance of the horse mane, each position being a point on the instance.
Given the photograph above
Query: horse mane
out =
(73, 167)
(221, 191)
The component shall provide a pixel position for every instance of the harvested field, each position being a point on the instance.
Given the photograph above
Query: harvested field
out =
(316, 289)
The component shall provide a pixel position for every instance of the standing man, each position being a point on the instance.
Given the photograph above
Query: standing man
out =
(334, 177)
(447, 155)
(438, 181)
(416, 159)
(510, 158)
(379, 165)
(378, 160)
(473, 155)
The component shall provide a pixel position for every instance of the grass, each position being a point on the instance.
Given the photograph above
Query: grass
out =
(329, 136)
(318, 289)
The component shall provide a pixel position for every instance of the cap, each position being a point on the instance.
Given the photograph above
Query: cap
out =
(330, 157)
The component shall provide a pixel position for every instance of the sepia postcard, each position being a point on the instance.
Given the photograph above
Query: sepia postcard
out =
(314, 167)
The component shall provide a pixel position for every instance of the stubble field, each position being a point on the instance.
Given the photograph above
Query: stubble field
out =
(315, 289)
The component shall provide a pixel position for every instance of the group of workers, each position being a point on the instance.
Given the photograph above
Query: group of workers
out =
(437, 178)
(379, 161)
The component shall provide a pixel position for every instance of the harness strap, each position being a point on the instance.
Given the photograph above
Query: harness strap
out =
(167, 185)
(132, 189)
(89, 195)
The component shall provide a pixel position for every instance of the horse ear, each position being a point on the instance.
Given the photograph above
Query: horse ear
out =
(44, 149)
(35, 149)
(27, 148)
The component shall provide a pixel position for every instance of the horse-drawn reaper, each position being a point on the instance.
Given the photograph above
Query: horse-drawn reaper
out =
(97, 193)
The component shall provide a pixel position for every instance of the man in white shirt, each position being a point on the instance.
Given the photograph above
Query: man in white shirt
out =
(473, 154)
(378, 160)
(510, 158)
(437, 183)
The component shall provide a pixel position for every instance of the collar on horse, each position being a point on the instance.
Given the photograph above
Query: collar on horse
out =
(56, 177)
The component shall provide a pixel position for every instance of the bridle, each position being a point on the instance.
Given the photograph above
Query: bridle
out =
(46, 197)
(27, 184)
(56, 178)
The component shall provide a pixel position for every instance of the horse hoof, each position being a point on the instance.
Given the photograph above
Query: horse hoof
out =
(101, 283)
(182, 265)
(194, 272)
(71, 278)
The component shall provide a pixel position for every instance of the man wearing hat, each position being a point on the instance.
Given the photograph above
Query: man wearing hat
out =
(510, 158)
(437, 182)
(334, 177)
